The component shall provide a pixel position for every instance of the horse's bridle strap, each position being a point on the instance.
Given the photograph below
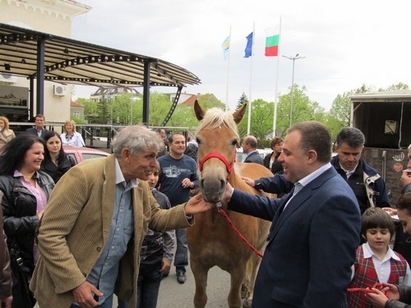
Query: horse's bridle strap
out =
(220, 157)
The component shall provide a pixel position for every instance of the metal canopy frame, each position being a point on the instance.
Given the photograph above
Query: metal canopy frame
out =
(41, 56)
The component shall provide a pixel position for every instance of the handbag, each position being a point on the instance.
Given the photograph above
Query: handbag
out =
(22, 296)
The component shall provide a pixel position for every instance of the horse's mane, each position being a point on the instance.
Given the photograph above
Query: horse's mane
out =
(216, 117)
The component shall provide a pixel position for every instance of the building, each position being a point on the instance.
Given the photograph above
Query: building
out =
(54, 17)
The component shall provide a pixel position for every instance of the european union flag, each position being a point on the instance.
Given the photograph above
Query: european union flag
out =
(249, 47)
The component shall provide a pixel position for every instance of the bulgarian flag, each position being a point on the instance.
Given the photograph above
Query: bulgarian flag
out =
(272, 41)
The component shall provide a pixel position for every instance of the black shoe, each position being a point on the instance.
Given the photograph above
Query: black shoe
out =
(181, 277)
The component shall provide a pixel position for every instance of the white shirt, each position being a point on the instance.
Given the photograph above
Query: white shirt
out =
(75, 140)
(348, 173)
(307, 179)
(383, 267)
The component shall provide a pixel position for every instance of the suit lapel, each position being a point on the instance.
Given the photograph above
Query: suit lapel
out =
(297, 201)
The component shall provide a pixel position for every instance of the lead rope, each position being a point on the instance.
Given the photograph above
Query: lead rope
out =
(224, 214)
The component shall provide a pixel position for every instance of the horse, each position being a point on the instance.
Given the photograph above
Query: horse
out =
(212, 241)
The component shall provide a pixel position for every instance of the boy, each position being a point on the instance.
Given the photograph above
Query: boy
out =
(156, 255)
(375, 261)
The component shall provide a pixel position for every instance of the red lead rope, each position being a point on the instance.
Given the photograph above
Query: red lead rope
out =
(368, 290)
(222, 212)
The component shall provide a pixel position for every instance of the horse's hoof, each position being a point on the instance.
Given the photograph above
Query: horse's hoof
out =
(247, 303)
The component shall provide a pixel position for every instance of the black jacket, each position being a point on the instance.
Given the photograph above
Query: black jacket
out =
(405, 299)
(56, 172)
(276, 167)
(19, 213)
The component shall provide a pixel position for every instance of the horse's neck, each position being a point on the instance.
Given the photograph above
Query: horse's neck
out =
(236, 181)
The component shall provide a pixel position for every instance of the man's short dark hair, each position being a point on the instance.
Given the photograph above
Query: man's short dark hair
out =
(314, 136)
(351, 136)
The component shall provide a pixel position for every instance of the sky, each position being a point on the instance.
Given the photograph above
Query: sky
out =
(342, 44)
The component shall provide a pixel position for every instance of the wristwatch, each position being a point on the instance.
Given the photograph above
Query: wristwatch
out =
(257, 184)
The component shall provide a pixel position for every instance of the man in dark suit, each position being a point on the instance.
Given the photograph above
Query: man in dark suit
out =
(315, 228)
(39, 130)
(249, 146)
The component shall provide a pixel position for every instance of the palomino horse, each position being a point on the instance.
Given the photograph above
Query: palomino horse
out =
(211, 240)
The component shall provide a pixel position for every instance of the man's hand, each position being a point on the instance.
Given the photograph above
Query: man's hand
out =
(84, 295)
(186, 183)
(165, 269)
(249, 181)
(406, 177)
(196, 204)
(378, 297)
(6, 302)
(227, 193)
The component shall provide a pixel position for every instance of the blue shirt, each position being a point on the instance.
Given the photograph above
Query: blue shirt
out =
(173, 171)
(104, 273)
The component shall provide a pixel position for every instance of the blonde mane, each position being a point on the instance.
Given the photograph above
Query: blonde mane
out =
(216, 117)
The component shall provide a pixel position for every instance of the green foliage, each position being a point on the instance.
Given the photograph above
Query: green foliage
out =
(243, 100)
(261, 124)
(79, 121)
(123, 109)
(398, 86)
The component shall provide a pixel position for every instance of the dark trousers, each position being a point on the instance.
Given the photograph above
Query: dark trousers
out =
(148, 286)
(181, 255)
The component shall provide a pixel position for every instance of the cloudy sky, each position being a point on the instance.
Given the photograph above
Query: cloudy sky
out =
(345, 44)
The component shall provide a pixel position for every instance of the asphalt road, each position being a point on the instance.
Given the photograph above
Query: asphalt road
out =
(175, 295)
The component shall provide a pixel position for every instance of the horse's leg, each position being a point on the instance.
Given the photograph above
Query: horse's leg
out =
(237, 276)
(247, 288)
(200, 276)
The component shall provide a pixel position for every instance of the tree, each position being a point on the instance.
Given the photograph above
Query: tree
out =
(261, 120)
(160, 105)
(303, 110)
(124, 109)
(398, 86)
(243, 100)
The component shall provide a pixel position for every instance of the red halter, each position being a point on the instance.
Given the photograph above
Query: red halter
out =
(228, 167)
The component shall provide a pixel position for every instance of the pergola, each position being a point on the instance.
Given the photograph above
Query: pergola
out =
(41, 56)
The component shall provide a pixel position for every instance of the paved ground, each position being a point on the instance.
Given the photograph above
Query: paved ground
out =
(175, 295)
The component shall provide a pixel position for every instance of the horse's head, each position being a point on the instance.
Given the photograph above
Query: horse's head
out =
(217, 139)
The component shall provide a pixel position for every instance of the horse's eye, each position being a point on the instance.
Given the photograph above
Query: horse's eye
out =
(234, 142)
(198, 141)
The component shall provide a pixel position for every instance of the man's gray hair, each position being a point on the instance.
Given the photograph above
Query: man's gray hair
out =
(137, 138)
(409, 147)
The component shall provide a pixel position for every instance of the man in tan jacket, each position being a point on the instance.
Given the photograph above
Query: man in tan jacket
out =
(92, 229)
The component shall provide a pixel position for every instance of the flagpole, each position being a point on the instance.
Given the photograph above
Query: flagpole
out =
(251, 79)
(228, 73)
(276, 84)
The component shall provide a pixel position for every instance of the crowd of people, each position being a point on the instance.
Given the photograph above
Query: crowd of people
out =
(137, 203)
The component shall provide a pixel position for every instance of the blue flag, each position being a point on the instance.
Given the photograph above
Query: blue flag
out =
(249, 47)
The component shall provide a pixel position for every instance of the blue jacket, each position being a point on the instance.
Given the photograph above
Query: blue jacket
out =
(374, 184)
(254, 157)
(311, 245)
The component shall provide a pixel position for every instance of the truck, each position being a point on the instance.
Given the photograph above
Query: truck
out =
(382, 117)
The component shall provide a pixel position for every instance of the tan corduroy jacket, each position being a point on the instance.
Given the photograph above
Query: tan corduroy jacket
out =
(75, 228)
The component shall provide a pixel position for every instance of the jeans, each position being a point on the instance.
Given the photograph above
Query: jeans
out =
(148, 286)
(108, 303)
(181, 256)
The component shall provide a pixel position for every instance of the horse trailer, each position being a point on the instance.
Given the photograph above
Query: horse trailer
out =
(381, 116)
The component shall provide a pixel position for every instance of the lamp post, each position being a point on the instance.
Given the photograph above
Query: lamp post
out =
(296, 57)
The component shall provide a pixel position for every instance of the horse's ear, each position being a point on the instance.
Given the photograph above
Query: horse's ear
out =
(239, 114)
(200, 113)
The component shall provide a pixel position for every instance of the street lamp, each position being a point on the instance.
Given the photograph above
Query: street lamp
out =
(296, 57)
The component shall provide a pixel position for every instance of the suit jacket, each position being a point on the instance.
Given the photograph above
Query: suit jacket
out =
(76, 225)
(254, 157)
(311, 245)
(33, 131)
